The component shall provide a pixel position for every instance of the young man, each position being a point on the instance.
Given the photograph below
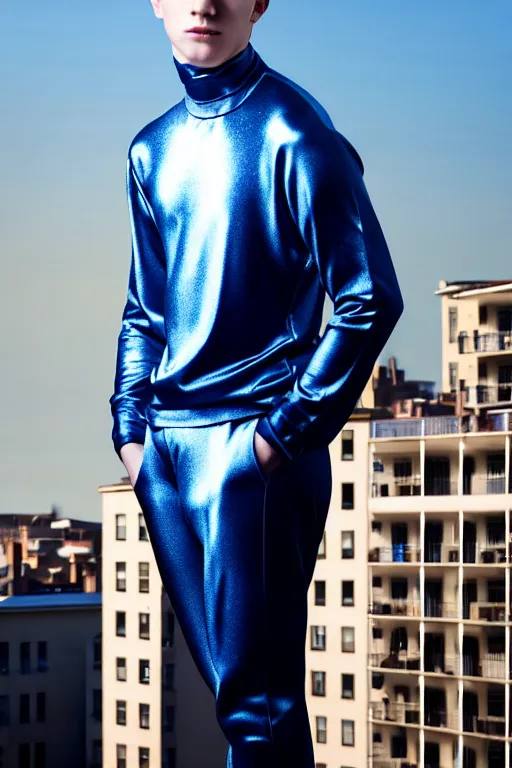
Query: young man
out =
(246, 206)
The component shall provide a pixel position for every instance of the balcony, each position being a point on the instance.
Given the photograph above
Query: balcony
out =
(396, 712)
(435, 609)
(484, 394)
(490, 726)
(397, 607)
(435, 718)
(397, 553)
(483, 611)
(409, 660)
(387, 429)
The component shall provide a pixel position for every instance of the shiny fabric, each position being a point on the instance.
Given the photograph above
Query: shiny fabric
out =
(246, 205)
(236, 549)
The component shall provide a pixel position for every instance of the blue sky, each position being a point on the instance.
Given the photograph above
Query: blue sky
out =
(422, 90)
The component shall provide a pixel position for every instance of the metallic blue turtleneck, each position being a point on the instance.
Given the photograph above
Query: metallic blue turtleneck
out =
(246, 205)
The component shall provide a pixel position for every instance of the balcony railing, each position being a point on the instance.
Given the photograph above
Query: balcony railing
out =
(399, 712)
(435, 718)
(400, 660)
(396, 607)
(483, 394)
(490, 726)
(484, 611)
(397, 553)
(497, 341)
(392, 762)
(434, 609)
(435, 425)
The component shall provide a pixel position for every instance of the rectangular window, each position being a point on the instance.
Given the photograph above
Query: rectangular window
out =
(143, 531)
(42, 656)
(25, 658)
(143, 715)
(452, 374)
(482, 314)
(168, 713)
(121, 577)
(120, 712)
(24, 756)
(121, 755)
(402, 470)
(399, 589)
(144, 626)
(41, 707)
(347, 593)
(376, 526)
(347, 495)
(452, 323)
(321, 729)
(121, 669)
(143, 577)
(319, 592)
(318, 683)
(97, 704)
(347, 444)
(348, 641)
(121, 527)
(4, 658)
(347, 686)
(322, 549)
(347, 733)
(347, 545)
(39, 754)
(143, 757)
(24, 708)
(144, 671)
(318, 638)
(120, 623)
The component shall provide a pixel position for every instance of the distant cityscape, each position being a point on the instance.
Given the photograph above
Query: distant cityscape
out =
(408, 650)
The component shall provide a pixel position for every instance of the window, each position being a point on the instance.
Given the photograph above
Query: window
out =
(41, 707)
(24, 756)
(452, 323)
(24, 708)
(4, 658)
(347, 733)
(377, 633)
(402, 470)
(347, 495)
(452, 373)
(97, 751)
(318, 638)
(347, 545)
(4, 713)
(25, 658)
(144, 671)
(121, 755)
(347, 686)
(348, 644)
(144, 715)
(144, 626)
(376, 526)
(40, 754)
(96, 704)
(120, 623)
(143, 577)
(347, 593)
(143, 531)
(121, 577)
(377, 582)
(321, 730)
(347, 444)
(482, 370)
(399, 589)
(143, 757)
(121, 668)
(121, 527)
(482, 314)
(42, 656)
(168, 677)
(322, 549)
(319, 592)
(168, 713)
(121, 712)
(96, 652)
(318, 683)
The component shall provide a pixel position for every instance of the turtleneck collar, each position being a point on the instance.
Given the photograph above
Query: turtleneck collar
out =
(213, 91)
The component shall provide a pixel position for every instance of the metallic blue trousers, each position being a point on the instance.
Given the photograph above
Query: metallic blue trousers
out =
(236, 550)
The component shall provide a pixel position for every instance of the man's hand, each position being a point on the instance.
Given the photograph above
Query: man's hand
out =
(131, 455)
(268, 458)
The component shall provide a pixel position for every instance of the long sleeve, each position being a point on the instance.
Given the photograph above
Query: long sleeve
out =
(331, 208)
(141, 341)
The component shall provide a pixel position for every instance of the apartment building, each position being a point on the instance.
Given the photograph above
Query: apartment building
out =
(439, 555)
(156, 709)
(46, 667)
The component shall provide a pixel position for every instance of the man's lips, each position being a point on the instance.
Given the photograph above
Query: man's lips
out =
(203, 31)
